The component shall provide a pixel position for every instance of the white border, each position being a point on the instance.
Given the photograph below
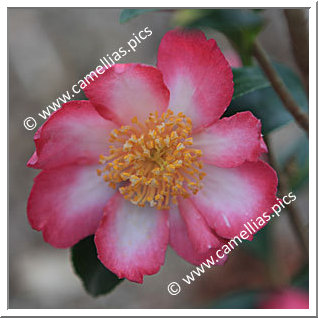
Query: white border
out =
(163, 3)
(312, 157)
(312, 165)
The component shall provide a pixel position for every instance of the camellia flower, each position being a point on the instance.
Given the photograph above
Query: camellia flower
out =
(147, 162)
(289, 298)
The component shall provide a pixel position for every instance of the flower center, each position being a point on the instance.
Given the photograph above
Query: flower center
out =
(153, 161)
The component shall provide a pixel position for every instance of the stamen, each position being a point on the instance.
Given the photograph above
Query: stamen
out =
(152, 162)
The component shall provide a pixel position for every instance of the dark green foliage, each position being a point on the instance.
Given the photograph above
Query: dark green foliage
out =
(267, 106)
(128, 14)
(97, 279)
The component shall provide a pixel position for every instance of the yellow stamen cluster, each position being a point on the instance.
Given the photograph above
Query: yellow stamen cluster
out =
(153, 161)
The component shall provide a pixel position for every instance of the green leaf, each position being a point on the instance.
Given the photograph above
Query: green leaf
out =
(260, 246)
(267, 106)
(96, 278)
(128, 14)
(244, 299)
(240, 26)
(248, 79)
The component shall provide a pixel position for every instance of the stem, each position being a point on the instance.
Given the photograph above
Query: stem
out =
(298, 29)
(280, 88)
(293, 214)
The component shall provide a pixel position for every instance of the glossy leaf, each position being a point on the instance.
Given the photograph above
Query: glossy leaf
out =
(128, 14)
(267, 106)
(248, 79)
(96, 278)
(260, 246)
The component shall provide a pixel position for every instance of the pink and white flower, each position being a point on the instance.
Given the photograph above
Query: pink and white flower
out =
(147, 162)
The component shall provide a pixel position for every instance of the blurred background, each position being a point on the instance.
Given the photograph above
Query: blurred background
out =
(51, 49)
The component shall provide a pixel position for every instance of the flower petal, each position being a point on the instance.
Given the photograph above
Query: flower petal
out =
(233, 58)
(180, 241)
(75, 134)
(66, 204)
(231, 141)
(200, 235)
(288, 298)
(128, 90)
(263, 146)
(131, 241)
(197, 74)
(230, 197)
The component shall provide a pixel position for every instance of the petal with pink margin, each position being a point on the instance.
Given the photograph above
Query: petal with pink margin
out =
(230, 197)
(200, 235)
(197, 74)
(131, 241)
(128, 90)
(233, 58)
(179, 240)
(67, 203)
(231, 141)
(263, 146)
(75, 134)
